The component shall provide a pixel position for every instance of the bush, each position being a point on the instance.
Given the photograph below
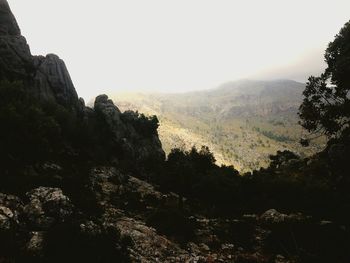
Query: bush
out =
(172, 223)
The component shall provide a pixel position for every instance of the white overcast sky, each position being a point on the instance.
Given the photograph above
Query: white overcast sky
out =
(180, 45)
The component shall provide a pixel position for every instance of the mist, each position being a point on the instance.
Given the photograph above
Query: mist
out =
(172, 46)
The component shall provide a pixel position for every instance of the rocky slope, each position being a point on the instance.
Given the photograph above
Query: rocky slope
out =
(35, 218)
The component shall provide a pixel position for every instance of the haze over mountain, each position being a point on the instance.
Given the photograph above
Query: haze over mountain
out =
(242, 122)
(184, 45)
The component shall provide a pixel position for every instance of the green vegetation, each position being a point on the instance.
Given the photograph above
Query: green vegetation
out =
(239, 131)
(276, 137)
(146, 125)
(326, 108)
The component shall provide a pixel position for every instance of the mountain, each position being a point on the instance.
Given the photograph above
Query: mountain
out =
(242, 122)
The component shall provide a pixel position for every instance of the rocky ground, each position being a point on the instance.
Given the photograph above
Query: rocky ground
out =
(215, 240)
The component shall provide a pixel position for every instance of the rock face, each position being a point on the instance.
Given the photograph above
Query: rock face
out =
(15, 57)
(52, 80)
(47, 77)
(111, 115)
(124, 130)
(8, 23)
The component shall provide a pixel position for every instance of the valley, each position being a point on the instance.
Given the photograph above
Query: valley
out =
(242, 122)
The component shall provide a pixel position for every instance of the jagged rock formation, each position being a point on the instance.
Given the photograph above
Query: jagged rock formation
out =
(52, 80)
(15, 57)
(48, 79)
(8, 23)
(137, 145)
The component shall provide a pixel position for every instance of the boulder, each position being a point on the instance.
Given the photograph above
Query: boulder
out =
(11, 208)
(52, 81)
(272, 216)
(46, 207)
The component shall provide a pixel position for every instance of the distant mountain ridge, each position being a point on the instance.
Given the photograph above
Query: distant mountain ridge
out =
(279, 95)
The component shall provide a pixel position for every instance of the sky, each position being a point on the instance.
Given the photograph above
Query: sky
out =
(180, 45)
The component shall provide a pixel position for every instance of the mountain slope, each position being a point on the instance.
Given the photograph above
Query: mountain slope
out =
(242, 122)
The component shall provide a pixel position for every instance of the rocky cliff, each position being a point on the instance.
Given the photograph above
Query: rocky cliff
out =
(47, 79)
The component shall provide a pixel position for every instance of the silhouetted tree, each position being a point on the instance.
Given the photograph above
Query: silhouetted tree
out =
(326, 105)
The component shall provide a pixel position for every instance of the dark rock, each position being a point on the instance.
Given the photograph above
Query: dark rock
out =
(11, 208)
(124, 136)
(47, 77)
(47, 206)
(111, 115)
(52, 80)
(35, 245)
(8, 23)
(15, 58)
(273, 217)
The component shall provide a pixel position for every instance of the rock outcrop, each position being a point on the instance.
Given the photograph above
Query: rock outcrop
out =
(15, 57)
(46, 77)
(8, 23)
(273, 217)
(52, 80)
(46, 207)
(129, 132)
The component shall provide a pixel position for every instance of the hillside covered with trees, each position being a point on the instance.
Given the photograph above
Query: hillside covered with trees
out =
(243, 122)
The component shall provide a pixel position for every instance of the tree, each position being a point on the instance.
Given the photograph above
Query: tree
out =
(326, 105)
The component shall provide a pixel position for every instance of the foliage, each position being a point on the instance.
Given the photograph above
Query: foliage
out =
(173, 223)
(276, 137)
(326, 105)
(194, 175)
(282, 157)
(144, 125)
